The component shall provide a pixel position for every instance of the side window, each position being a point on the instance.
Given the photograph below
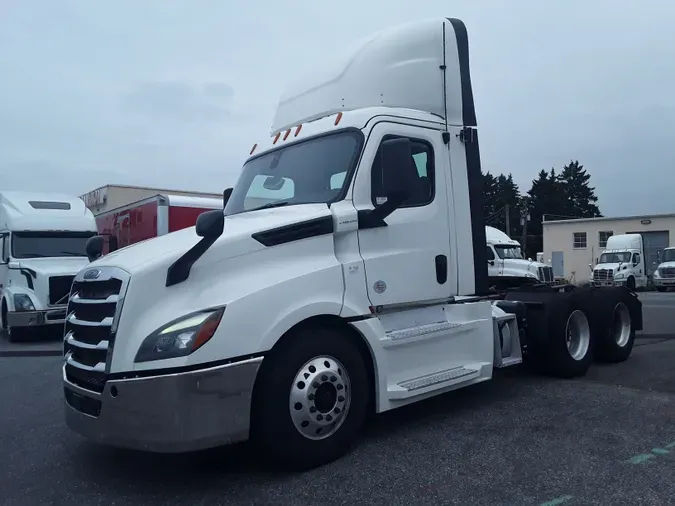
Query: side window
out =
(265, 189)
(423, 193)
(636, 258)
(490, 254)
(4, 249)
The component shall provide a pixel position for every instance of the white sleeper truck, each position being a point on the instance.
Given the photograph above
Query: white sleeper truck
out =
(360, 286)
(622, 263)
(42, 241)
(507, 267)
(664, 274)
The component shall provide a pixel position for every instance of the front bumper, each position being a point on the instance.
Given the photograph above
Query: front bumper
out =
(52, 316)
(663, 281)
(170, 413)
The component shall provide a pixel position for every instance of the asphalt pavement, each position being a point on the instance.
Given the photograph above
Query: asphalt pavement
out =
(519, 440)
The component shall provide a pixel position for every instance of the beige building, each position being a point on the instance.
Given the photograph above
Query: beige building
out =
(570, 245)
(113, 196)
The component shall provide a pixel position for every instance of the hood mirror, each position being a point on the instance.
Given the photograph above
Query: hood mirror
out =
(210, 224)
(94, 247)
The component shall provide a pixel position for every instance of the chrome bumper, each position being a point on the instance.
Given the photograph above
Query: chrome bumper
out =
(53, 316)
(663, 281)
(170, 413)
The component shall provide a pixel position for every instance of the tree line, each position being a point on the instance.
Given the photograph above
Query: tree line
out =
(553, 196)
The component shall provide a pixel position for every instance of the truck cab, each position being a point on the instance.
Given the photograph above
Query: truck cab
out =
(347, 274)
(664, 274)
(507, 266)
(42, 242)
(622, 263)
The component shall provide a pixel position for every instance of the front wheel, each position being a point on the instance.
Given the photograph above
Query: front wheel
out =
(630, 283)
(311, 398)
(662, 288)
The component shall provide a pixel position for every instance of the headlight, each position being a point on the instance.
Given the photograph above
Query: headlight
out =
(22, 302)
(620, 275)
(656, 273)
(180, 337)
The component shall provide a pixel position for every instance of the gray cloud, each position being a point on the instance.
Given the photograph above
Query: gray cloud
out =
(181, 102)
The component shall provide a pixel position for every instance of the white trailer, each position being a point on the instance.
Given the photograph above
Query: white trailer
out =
(361, 286)
(42, 240)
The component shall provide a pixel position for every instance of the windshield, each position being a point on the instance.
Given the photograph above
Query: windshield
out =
(49, 244)
(668, 255)
(509, 251)
(308, 172)
(615, 258)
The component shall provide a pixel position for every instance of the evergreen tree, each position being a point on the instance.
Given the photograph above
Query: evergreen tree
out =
(579, 197)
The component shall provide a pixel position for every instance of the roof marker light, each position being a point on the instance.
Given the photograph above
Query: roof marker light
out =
(276, 138)
(297, 130)
(339, 117)
(287, 134)
(253, 148)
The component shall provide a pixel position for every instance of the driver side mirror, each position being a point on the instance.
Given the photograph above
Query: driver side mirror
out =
(210, 224)
(94, 247)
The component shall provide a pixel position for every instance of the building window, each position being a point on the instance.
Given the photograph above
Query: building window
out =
(603, 235)
(579, 240)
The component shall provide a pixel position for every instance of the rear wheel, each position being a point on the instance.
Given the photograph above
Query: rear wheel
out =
(568, 351)
(617, 334)
(311, 398)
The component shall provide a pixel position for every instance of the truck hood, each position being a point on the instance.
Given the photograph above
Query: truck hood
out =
(61, 266)
(666, 264)
(236, 238)
(612, 266)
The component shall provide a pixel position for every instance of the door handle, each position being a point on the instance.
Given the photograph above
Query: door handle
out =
(441, 269)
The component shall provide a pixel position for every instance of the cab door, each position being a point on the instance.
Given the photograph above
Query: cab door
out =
(409, 260)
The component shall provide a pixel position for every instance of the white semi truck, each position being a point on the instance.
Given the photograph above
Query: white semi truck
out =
(42, 240)
(622, 263)
(360, 286)
(664, 274)
(507, 267)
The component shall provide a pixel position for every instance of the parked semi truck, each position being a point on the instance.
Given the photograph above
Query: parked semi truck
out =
(42, 242)
(361, 288)
(622, 262)
(664, 274)
(507, 267)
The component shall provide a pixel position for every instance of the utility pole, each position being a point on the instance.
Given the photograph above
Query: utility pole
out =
(524, 218)
(508, 220)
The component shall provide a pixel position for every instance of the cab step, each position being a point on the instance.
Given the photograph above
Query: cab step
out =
(435, 381)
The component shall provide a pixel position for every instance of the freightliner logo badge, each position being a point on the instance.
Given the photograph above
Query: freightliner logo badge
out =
(92, 274)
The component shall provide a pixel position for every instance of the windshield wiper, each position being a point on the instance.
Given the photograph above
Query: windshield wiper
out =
(71, 254)
(269, 205)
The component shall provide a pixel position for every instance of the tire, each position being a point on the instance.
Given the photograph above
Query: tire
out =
(315, 369)
(630, 283)
(17, 334)
(616, 331)
(662, 288)
(569, 350)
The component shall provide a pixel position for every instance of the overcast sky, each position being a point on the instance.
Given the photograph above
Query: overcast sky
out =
(174, 93)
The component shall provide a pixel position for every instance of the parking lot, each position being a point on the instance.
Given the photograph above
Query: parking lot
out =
(520, 440)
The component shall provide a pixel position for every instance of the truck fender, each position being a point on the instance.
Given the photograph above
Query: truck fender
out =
(294, 317)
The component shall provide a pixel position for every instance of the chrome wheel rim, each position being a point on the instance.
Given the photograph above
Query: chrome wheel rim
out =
(577, 334)
(320, 397)
(621, 324)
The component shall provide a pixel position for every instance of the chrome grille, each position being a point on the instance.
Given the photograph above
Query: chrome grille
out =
(603, 274)
(667, 272)
(94, 309)
(546, 274)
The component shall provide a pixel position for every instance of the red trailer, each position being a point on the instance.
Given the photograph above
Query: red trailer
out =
(153, 216)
